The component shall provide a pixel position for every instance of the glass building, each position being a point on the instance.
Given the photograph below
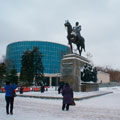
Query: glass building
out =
(52, 52)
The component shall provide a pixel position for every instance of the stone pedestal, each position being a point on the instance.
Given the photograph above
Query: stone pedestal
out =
(87, 87)
(71, 66)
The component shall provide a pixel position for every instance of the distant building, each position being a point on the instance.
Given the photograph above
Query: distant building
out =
(103, 77)
(52, 52)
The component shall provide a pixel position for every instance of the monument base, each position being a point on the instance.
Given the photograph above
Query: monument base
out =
(88, 87)
(71, 66)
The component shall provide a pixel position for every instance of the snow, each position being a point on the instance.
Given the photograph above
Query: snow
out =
(106, 107)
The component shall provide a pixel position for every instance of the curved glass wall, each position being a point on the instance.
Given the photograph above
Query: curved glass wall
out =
(52, 53)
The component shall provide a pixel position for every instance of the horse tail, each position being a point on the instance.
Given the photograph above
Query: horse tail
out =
(84, 48)
(83, 43)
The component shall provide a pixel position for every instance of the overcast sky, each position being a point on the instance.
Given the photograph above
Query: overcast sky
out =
(44, 20)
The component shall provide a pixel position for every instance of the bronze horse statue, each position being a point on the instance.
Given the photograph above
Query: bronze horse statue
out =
(79, 41)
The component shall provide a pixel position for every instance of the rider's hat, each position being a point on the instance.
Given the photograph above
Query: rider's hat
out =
(77, 23)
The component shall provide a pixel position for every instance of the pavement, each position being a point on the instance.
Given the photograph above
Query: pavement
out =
(54, 95)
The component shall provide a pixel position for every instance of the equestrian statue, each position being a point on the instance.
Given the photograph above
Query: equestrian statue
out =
(75, 37)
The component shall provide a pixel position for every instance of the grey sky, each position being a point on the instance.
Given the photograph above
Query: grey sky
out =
(44, 20)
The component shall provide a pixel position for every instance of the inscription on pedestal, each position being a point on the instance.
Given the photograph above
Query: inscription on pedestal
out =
(67, 69)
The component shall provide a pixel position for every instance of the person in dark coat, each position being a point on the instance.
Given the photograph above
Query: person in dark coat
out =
(9, 89)
(21, 90)
(61, 86)
(42, 89)
(67, 97)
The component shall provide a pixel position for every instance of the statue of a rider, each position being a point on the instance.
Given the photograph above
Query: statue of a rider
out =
(74, 36)
(76, 30)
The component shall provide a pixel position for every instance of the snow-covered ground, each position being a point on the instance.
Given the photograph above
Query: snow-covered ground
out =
(106, 107)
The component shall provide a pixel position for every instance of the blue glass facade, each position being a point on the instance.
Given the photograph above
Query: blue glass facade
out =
(52, 53)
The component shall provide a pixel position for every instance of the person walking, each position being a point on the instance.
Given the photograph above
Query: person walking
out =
(67, 96)
(9, 97)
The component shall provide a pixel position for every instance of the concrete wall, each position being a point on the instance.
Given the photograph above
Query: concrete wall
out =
(103, 77)
(110, 84)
